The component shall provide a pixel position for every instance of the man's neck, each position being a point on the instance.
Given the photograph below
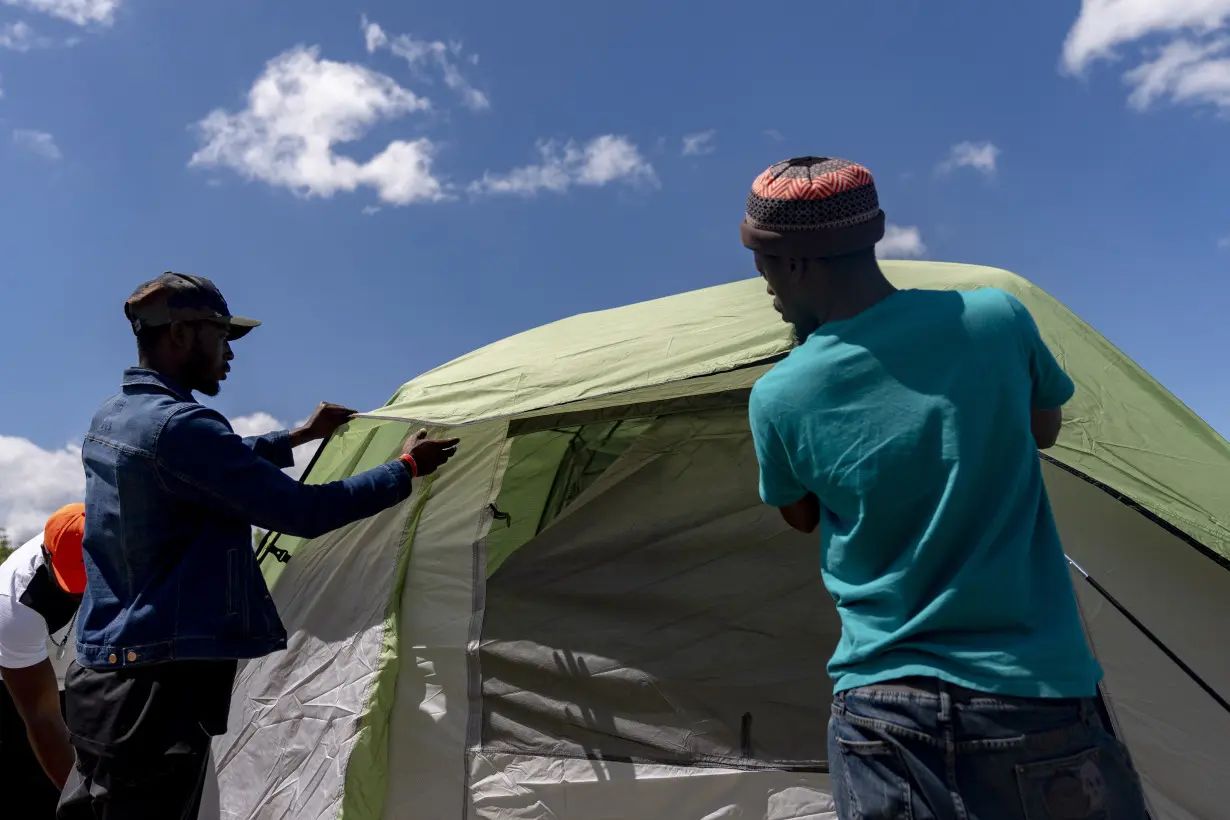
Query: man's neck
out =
(857, 292)
(150, 363)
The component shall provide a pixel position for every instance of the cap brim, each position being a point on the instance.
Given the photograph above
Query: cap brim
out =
(241, 327)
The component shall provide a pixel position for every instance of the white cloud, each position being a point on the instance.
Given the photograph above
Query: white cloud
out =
(256, 424)
(78, 12)
(1103, 25)
(34, 483)
(298, 110)
(373, 35)
(695, 145)
(259, 423)
(600, 161)
(1224, 242)
(371, 210)
(18, 37)
(302, 107)
(1185, 72)
(774, 134)
(900, 242)
(1192, 64)
(37, 142)
(980, 156)
(417, 52)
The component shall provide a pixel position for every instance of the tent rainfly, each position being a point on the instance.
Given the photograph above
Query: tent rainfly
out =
(588, 615)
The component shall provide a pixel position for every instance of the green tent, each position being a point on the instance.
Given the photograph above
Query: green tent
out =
(588, 614)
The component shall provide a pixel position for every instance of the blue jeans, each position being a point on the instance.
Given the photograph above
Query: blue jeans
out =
(922, 749)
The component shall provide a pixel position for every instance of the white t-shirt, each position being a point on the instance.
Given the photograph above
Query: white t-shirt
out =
(24, 640)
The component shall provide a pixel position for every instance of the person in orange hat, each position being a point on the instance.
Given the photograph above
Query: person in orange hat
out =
(41, 585)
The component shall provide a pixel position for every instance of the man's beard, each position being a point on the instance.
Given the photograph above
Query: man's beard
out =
(803, 330)
(200, 372)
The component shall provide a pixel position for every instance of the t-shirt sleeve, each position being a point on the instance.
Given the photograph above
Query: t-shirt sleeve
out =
(1052, 388)
(23, 635)
(779, 486)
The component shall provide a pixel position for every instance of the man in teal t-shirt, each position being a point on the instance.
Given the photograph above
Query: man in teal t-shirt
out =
(906, 426)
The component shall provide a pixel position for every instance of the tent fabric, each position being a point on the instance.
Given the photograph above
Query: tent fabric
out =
(1122, 427)
(695, 631)
(520, 787)
(300, 716)
(1178, 736)
(547, 470)
(441, 605)
(553, 628)
(301, 713)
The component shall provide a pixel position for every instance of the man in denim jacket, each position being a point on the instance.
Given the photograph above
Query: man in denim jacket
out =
(174, 594)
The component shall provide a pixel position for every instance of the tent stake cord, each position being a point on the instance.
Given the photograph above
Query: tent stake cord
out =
(1191, 673)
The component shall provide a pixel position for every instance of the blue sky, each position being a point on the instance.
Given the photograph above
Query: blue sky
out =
(389, 185)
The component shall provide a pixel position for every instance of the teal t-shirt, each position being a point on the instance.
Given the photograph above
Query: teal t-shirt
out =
(911, 423)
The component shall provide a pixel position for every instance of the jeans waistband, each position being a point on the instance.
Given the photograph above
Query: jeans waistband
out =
(934, 688)
(921, 686)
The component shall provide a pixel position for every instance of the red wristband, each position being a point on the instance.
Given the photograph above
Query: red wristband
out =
(409, 461)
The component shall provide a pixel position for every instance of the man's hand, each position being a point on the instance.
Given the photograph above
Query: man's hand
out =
(803, 515)
(326, 419)
(429, 454)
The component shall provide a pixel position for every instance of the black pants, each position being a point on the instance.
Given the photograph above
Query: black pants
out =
(142, 737)
(21, 775)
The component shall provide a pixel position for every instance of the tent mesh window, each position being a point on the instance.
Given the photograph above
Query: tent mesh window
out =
(643, 605)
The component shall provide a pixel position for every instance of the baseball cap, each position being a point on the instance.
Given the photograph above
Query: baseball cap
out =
(181, 297)
(62, 540)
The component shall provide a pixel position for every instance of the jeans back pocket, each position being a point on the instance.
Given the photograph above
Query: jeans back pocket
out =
(1094, 784)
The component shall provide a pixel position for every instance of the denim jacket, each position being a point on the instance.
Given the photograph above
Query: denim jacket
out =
(171, 494)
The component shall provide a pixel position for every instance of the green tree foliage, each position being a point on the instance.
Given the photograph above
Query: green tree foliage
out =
(6, 547)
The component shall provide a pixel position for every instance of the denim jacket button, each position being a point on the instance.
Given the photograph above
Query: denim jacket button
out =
(111, 658)
(132, 656)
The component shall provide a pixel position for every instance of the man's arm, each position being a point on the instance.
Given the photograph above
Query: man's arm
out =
(201, 459)
(1046, 425)
(36, 694)
(275, 447)
(779, 486)
(1050, 387)
(31, 682)
(804, 515)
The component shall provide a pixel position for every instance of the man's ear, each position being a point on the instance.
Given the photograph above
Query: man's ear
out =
(798, 269)
(180, 335)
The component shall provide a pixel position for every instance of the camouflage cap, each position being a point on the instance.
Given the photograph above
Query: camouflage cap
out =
(181, 297)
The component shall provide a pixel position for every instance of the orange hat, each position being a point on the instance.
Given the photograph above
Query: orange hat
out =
(62, 538)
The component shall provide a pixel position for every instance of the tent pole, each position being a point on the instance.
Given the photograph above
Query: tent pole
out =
(1191, 673)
